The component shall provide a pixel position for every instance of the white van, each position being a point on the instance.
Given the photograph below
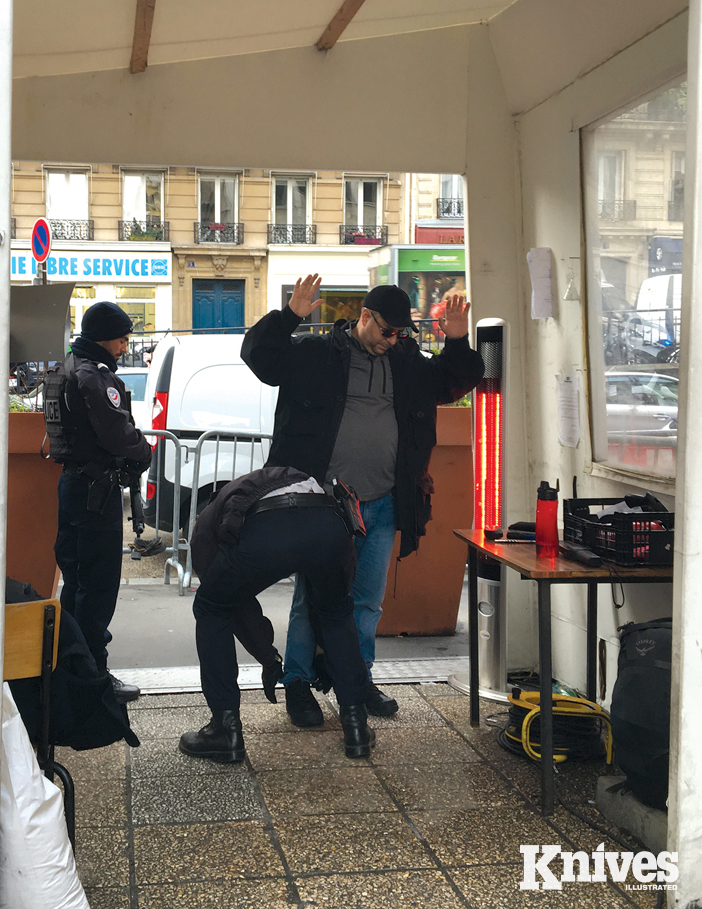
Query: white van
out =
(199, 383)
(658, 304)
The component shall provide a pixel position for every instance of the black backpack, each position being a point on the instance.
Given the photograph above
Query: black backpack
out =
(640, 711)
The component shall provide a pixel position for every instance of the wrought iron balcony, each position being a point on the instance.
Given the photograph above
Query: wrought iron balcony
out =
(362, 236)
(13, 228)
(292, 233)
(616, 209)
(62, 229)
(143, 230)
(219, 232)
(676, 211)
(449, 208)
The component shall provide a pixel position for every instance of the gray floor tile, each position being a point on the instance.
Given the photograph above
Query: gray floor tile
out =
(487, 835)
(457, 712)
(194, 798)
(97, 763)
(462, 785)
(389, 890)
(432, 745)
(108, 897)
(363, 842)
(102, 857)
(323, 790)
(161, 757)
(413, 712)
(437, 690)
(271, 718)
(204, 852)
(497, 887)
(232, 895)
(100, 806)
(168, 723)
(282, 751)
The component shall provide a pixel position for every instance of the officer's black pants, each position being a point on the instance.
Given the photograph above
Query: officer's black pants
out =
(89, 553)
(274, 545)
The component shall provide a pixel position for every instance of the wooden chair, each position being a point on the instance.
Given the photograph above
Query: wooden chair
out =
(31, 650)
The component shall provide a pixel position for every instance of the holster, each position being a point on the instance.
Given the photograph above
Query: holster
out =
(349, 507)
(101, 483)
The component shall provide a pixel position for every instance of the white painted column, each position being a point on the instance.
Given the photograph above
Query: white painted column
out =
(685, 801)
(5, 191)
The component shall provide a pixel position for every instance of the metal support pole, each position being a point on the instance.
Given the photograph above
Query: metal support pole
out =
(5, 186)
(591, 659)
(685, 786)
(546, 704)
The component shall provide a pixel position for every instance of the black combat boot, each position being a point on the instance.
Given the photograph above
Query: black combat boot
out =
(358, 737)
(302, 706)
(220, 740)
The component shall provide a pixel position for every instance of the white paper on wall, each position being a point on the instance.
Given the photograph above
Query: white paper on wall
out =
(539, 261)
(568, 411)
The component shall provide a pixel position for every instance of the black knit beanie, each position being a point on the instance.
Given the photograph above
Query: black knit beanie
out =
(104, 322)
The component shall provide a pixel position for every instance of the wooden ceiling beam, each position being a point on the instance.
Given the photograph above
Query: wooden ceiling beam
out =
(336, 27)
(143, 23)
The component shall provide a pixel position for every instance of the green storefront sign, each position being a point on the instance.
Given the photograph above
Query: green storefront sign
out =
(418, 260)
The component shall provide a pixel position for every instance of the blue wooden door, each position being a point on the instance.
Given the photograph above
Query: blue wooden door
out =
(218, 305)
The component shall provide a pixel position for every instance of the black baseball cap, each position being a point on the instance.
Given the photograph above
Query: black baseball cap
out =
(393, 304)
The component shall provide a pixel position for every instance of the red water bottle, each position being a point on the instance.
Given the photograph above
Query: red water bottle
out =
(546, 521)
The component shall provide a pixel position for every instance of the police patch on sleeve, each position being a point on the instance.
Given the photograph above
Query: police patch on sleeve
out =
(113, 395)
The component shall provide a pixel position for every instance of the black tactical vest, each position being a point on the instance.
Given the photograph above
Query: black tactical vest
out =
(60, 425)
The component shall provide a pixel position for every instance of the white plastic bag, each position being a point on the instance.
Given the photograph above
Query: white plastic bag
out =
(37, 868)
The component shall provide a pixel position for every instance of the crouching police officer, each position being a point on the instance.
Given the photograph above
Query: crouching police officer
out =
(92, 433)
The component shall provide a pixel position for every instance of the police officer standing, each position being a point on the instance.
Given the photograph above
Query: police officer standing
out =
(92, 433)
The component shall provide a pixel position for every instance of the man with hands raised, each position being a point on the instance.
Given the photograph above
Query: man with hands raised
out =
(359, 403)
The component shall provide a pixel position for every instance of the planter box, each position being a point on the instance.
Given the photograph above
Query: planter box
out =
(424, 590)
(32, 505)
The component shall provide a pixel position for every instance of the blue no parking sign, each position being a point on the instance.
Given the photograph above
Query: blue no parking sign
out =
(41, 240)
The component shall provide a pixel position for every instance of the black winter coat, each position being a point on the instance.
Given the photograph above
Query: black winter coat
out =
(312, 372)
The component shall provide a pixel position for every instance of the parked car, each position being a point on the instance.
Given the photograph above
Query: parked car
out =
(642, 405)
(135, 377)
(199, 383)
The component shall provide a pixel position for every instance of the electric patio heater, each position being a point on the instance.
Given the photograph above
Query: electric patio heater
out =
(489, 412)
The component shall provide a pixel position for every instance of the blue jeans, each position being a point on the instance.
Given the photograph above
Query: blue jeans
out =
(373, 554)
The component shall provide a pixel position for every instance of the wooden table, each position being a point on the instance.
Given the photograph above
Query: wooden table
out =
(522, 558)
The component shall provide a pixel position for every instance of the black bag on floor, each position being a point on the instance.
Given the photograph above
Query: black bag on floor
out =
(640, 711)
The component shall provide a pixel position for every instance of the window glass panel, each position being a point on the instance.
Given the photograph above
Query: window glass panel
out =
(56, 195)
(634, 278)
(281, 201)
(227, 210)
(78, 196)
(154, 210)
(351, 213)
(370, 203)
(133, 201)
(299, 202)
(207, 201)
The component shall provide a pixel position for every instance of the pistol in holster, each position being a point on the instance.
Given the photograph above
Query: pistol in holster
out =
(349, 507)
(102, 481)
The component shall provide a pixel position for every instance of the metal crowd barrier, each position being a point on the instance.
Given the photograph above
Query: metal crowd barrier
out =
(174, 550)
(217, 436)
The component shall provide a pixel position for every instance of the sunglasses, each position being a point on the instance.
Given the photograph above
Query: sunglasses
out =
(389, 332)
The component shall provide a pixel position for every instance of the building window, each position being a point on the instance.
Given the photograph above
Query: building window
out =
(633, 285)
(140, 305)
(677, 187)
(67, 205)
(218, 210)
(142, 207)
(450, 201)
(361, 203)
(291, 211)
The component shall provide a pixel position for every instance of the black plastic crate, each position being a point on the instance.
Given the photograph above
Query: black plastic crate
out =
(644, 538)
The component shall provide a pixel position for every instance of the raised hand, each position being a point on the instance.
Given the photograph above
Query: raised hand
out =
(302, 301)
(454, 322)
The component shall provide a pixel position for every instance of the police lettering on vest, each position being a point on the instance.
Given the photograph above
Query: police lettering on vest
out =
(60, 426)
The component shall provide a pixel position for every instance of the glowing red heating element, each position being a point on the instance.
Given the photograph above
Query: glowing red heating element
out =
(488, 454)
